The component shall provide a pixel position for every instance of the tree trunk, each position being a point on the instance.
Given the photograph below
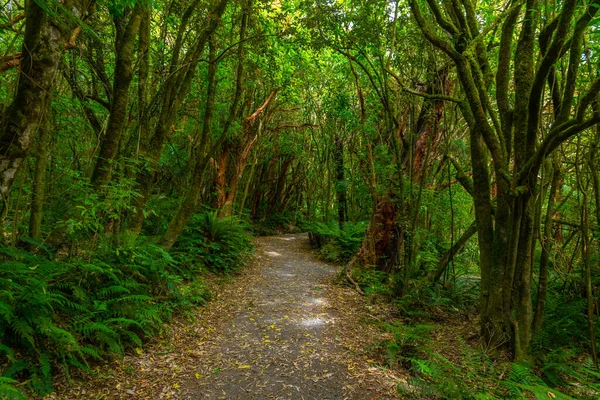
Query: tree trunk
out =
(340, 187)
(247, 187)
(586, 255)
(44, 41)
(547, 242)
(439, 269)
(144, 69)
(587, 245)
(39, 180)
(275, 196)
(378, 236)
(175, 91)
(120, 100)
(252, 127)
(221, 177)
(188, 206)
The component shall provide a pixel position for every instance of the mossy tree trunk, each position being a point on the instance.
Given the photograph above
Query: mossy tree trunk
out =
(507, 133)
(38, 186)
(47, 34)
(120, 97)
(172, 94)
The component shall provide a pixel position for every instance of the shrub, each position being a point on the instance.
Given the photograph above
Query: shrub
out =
(372, 281)
(219, 243)
(337, 244)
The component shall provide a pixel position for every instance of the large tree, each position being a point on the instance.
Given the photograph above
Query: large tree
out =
(49, 30)
(511, 133)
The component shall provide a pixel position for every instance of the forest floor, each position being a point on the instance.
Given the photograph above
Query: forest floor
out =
(280, 329)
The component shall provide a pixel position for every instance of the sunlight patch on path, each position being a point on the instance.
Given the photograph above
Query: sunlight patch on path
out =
(317, 301)
(286, 274)
(313, 322)
(286, 238)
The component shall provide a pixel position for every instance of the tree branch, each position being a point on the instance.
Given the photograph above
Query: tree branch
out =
(418, 93)
(554, 139)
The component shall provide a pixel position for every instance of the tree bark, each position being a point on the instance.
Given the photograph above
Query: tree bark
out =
(120, 100)
(177, 87)
(44, 41)
(39, 180)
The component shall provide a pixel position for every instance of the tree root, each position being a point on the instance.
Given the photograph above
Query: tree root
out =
(348, 271)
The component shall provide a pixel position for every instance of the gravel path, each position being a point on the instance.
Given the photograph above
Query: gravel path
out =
(281, 330)
(278, 346)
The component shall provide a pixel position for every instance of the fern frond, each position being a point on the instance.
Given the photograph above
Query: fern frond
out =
(9, 392)
(23, 330)
(91, 351)
(112, 290)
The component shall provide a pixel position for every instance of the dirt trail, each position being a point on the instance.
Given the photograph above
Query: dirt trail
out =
(281, 330)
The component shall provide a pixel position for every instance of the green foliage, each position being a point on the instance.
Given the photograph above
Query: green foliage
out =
(473, 375)
(436, 302)
(91, 211)
(372, 282)
(407, 342)
(221, 244)
(434, 376)
(564, 325)
(8, 392)
(67, 312)
(285, 222)
(523, 382)
(336, 244)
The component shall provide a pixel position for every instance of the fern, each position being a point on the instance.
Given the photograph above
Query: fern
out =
(218, 243)
(23, 330)
(112, 290)
(97, 327)
(67, 312)
(7, 351)
(8, 392)
(91, 352)
(337, 244)
(13, 369)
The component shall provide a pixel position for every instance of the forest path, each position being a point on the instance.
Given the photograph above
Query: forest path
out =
(279, 330)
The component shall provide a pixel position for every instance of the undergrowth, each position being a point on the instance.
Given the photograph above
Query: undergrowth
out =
(455, 369)
(280, 223)
(476, 375)
(563, 369)
(56, 315)
(221, 244)
(335, 244)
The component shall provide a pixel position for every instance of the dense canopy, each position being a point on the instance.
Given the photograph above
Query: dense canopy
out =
(445, 152)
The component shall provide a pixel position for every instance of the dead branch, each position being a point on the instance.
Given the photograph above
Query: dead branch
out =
(250, 120)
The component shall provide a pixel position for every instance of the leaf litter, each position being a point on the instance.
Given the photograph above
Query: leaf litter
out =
(279, 330)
